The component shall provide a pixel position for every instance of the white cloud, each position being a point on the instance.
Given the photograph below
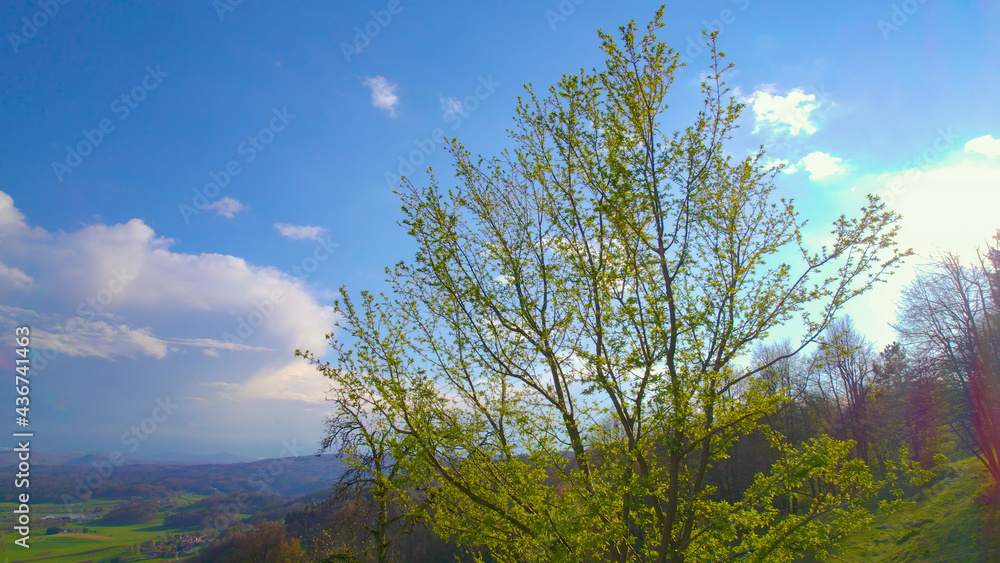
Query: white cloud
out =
(985, 145)
(294, 380)
(119, 291)
(111, 339)
(950, 207)
(10, 218)
(300, 232)
(116, 307)
(214, 345)
(78, 337)
(222, 385)
(450, 106)
(772, 163)
(383, 94)
(784, 113)
(819, 165)
(12, 222)
(16, 278)
(289, 381)
(16, 312)
(227, 207)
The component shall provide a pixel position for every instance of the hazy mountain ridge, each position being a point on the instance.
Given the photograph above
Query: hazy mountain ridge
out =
(287, 476)
(8, 457)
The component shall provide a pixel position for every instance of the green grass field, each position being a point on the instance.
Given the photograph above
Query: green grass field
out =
(99, 543)
(944, 525)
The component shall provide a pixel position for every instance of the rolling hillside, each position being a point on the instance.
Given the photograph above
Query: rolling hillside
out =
(947, 522)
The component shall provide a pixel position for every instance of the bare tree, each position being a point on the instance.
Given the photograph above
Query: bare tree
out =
(844, 376)
(951, 315)
(369, 487)
(785, 374)
(907, 407)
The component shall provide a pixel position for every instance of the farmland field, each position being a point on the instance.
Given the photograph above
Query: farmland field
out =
(90, 540)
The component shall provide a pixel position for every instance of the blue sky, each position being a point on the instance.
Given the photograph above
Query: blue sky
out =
(141, 289)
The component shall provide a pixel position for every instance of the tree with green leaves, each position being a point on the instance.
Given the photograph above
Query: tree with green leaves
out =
(562, 358)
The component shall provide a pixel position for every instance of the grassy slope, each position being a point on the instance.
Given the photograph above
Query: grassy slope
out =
(944, 524)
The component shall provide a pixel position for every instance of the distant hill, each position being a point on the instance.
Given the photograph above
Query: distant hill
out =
(7, 457)
(289, 476)
(196, 459)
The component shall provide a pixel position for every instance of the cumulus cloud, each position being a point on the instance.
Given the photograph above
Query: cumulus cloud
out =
(120, 291)
(294, 380)
(985, 145)
(116, 307)
(227, 207)
(383, 94)
(10, 218)
(300, 232)
(819, 165)
(13, 224)
(288, 381)
(789, 113)
(14, 277)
